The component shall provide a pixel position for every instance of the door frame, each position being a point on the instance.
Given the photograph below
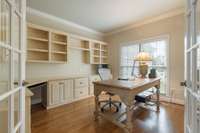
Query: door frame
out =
(17, 8)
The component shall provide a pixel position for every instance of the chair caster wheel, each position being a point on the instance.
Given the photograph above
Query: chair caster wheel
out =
(102, 110)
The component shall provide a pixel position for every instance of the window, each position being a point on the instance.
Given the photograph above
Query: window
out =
(158, 50)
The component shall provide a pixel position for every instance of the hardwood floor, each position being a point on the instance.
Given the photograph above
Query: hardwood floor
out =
(78, 118)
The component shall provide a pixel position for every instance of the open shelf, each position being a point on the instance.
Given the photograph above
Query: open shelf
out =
(38, 50)
(51, 46)
(59, 52)
(57, 57)
(45, 45)
(34, 44)
(38, 34)
(78, 48)
(38, 44)
(104, 60)
(36, 55)
(79, 44)
(104, 53)
(104, 47)
(38, 39)
(60, 43)
(96, 46)
(96, 60)
(60, 48)
(59, 38)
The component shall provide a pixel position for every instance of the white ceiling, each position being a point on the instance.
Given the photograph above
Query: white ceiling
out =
(105, 15)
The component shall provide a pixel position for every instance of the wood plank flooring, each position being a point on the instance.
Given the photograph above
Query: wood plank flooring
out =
(78, 118)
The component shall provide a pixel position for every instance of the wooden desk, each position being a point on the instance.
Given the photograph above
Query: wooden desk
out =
(126, 90)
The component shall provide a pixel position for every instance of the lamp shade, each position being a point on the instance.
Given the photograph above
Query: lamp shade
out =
(143, 56)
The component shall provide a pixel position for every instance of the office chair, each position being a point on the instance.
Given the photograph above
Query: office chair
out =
(105, 74)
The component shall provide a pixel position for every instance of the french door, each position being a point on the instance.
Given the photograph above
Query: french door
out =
(192, 69)
(12, 66)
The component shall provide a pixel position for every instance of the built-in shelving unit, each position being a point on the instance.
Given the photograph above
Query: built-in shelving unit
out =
(104, 54)
(82, 44)
(58, 47)
(38, 44)
(46, 45)
(99, 53)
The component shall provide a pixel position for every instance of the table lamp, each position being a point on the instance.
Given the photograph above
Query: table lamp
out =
(143, 58)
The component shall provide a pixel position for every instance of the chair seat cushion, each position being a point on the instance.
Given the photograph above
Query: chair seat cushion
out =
(144, 96)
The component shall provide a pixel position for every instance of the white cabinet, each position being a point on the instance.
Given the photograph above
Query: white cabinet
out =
(60, 91)
(81, 88)
(54, 93)
(67, 92)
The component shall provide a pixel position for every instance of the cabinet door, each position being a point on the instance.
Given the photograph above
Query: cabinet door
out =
(68, 90)
(54, 93)
(61, 89)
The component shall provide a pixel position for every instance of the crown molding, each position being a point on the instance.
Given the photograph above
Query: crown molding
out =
(147, 21)
(32, 11)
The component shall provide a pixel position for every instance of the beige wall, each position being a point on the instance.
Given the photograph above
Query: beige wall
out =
(75, 64)
(174, 27)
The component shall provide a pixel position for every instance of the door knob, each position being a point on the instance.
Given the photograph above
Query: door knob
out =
(184, 83)
(24, 83)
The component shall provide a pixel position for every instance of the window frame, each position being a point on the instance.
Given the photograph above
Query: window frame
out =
(165, 37)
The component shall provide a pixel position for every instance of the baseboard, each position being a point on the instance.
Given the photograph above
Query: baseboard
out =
(68, 102)
(172, 100)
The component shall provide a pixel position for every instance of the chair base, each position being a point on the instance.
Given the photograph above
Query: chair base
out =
(110, 103)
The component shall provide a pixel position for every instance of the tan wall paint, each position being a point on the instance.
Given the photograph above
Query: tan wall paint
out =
(174, 27)
(74, 66)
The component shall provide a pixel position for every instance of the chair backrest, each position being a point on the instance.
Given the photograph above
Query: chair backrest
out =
(105, 73)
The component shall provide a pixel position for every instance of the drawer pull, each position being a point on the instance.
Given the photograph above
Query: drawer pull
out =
(81, 92)
(81, 82)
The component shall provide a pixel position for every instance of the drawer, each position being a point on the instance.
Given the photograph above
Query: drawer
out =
(81, 92)
(81, 82)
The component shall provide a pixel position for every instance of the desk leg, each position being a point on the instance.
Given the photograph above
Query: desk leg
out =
(96, 112)
(158, 97)
(129, 113)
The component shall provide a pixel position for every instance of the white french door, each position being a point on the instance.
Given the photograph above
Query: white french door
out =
(12, 66)
(192, 69)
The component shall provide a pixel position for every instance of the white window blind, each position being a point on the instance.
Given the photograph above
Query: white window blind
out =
(158, 50)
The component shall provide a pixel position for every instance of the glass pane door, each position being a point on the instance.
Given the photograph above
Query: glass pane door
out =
(12, 93)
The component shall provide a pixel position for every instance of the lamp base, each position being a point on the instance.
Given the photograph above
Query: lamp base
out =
(143, 68)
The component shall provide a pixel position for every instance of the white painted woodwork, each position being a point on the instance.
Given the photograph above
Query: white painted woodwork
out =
(63, 91)
(81, 88)
(192, 68)
(68, 90)
(12, 48)
(54, 92)
(46, 45)
(81, 92)
(81, 82)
